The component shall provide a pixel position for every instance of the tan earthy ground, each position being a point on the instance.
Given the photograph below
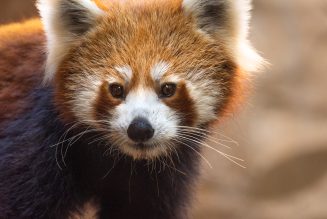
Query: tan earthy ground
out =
(281, 132)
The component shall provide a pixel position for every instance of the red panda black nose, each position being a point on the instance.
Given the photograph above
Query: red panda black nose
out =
(140, 130)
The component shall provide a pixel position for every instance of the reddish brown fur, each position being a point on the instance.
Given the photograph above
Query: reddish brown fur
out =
(21, 66)
(239, 88)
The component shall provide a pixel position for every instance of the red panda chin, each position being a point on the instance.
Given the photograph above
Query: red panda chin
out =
(145, 151)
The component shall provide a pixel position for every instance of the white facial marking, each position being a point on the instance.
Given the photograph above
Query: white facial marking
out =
(146, 104)
(159, 69)
(126, 71)
(172, 78)
(86, 95)
(205, 98)
(204, 102)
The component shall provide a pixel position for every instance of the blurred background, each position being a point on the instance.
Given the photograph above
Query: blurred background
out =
(281, 131)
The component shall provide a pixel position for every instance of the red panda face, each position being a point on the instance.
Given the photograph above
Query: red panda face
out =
(142, 82)
(143, 76)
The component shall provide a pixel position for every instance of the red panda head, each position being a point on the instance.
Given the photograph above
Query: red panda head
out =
(143, 72)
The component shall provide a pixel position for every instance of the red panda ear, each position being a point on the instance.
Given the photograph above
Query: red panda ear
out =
(227, 20)
(64, 22)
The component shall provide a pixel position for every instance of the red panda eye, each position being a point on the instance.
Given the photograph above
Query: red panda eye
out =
(168, 90)
(117, 90)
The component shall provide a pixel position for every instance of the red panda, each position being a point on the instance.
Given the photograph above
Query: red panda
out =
(113, 112)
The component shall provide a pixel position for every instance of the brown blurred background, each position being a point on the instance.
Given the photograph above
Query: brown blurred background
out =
(281, 131)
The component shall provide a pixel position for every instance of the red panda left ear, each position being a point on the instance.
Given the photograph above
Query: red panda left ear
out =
(226, 20)
(64, 22)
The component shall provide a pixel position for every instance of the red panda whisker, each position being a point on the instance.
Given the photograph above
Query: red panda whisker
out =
(108, 151)
(62, 145)
(103, 136)
(213, 139)
(103, 122)
(153, 164)
(229, 139)
(73, 141)
(120, 140)
(173, 167)
(203, 143)
(174, 150)
(109, 171)
(115, 140)
(208, 137)
(177, 170)
(160, 165)
(163, 163)
(116, 159)
(197, 152)
(97, 139)
(56, 157)
(63, 136)
(94, 138)
(157, 184)
(63, 155)
(225, 136)
(227, 156)
(169, 159)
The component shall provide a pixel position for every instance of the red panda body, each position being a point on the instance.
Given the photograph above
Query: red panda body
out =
(33, 186)
(22, 60)
(114, 128)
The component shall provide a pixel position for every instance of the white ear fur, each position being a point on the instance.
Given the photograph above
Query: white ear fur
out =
(229, 20)
(64, 21)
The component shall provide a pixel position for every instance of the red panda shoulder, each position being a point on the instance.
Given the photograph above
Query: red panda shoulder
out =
(21, 65)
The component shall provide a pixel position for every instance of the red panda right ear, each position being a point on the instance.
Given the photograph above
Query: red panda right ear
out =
(64, 22)
(227, 20)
